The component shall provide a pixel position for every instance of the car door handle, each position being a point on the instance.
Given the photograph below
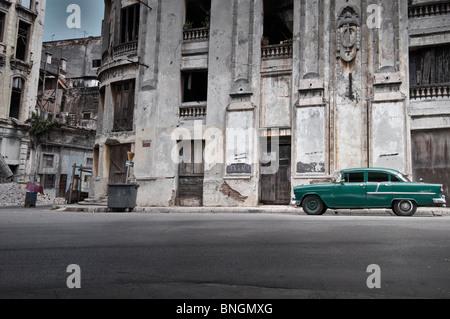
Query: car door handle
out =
(362, 185)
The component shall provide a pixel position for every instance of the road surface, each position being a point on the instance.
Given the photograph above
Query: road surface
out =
(237, 256)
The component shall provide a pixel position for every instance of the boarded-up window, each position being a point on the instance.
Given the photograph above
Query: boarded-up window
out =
(430, 66)
(124, 106)
(47, 160)
(129, 22)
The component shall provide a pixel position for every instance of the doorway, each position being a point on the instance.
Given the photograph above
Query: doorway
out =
(276, 185)
(191, 174)
(117, 165)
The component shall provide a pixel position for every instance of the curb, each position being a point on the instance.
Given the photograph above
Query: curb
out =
(283, 210)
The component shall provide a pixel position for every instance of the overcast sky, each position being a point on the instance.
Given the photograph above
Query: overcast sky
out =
(91, 16)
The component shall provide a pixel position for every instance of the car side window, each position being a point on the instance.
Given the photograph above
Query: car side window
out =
(395, 179)
(354, 177)
(378, 177)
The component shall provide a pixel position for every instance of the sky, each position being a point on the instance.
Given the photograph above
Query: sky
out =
(86, 22)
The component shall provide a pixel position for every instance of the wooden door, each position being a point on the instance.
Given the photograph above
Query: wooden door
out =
(117, 165)
(191, 175)
(283, 176)
(62, 185)
(431, 157)
(276, 188)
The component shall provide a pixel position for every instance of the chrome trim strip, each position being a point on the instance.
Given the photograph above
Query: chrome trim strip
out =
(398, 193)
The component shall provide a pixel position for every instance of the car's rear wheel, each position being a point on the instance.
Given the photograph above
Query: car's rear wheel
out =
(405, 207)
(313, 205)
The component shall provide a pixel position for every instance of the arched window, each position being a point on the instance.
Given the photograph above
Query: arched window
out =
(16, 97)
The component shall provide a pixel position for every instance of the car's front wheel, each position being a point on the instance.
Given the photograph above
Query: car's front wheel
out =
(405, 208)
(313, 205)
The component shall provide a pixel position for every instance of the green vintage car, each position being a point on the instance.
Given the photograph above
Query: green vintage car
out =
(369, 188)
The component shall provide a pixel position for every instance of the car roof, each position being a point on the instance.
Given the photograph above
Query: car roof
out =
(371, 169)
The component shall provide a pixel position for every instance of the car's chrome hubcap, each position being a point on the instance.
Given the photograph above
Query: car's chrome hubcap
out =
(312, 205)
(405, 206)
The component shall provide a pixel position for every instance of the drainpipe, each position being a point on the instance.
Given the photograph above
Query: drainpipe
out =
(369, 104)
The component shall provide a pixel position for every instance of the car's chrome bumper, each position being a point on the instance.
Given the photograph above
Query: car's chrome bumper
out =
(295, 202)
(440, 201)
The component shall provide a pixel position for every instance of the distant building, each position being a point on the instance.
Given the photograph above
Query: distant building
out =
(68, 95)
(218, 116)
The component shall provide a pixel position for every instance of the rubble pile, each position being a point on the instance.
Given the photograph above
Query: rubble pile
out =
(12, 194)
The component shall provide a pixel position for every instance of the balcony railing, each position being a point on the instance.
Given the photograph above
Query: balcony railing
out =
(277, 51)
(128, 48)
(428, 92)
(193, 110)
(429, 9)
(196, 34)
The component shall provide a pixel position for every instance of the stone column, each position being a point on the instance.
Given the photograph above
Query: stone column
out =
(349, 67)
(241, 171)
(310, 157)
(389, 129)
(240, 112)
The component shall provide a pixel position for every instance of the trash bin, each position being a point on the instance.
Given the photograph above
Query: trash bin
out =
(122, 197)
(30, 199)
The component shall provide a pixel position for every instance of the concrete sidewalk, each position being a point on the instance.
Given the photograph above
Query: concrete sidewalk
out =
(287, 210)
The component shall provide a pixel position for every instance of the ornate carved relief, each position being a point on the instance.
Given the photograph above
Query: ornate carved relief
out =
(348, 34)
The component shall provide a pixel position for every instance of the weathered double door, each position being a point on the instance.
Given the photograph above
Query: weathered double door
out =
(276, 187)
(191, 174)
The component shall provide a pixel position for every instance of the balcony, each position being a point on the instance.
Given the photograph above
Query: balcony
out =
(193, 110)
(277, 51)
(429, 9)
(199, 34)
(125, 49)
(430, 92)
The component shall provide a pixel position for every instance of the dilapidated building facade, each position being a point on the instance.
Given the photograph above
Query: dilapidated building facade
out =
(233, 103)
(21, 32)
(68, 95)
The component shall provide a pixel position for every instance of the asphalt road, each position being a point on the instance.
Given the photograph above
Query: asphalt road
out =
(221, 255)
